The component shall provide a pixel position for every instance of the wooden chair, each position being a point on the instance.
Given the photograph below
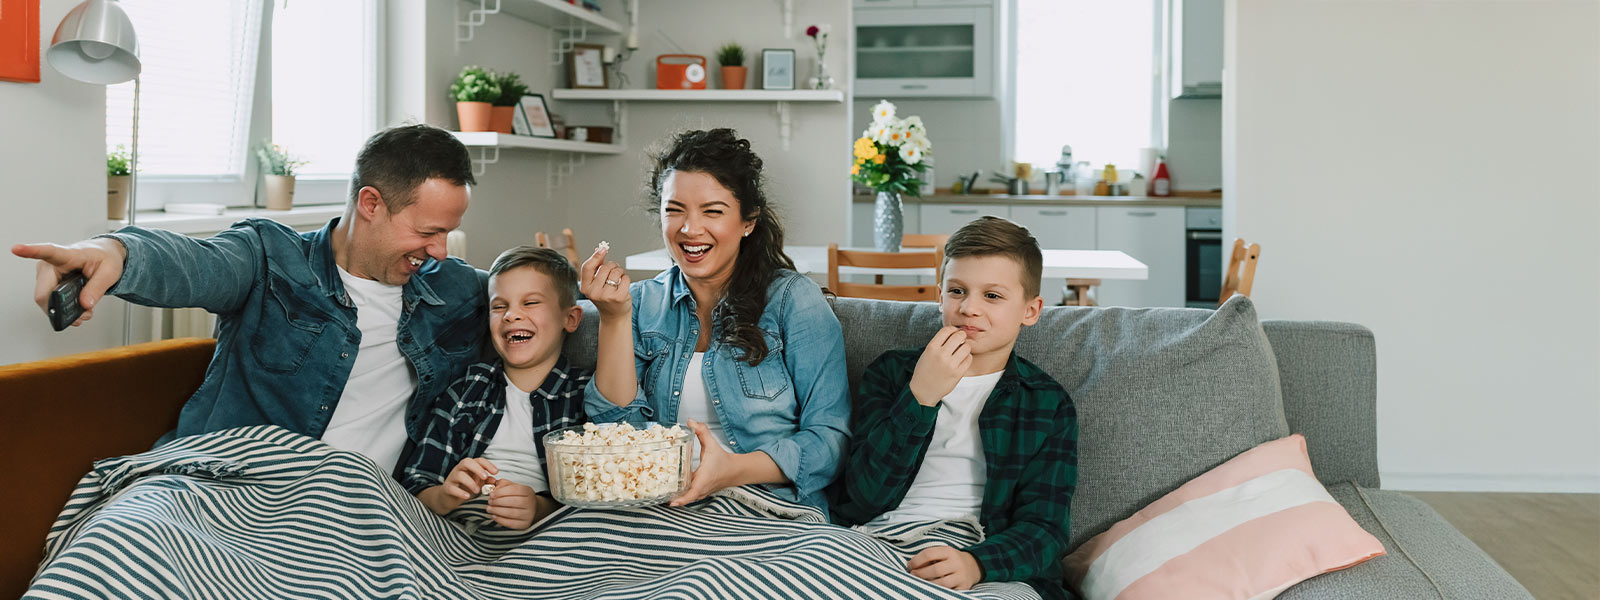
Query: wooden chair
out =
(924, 240)
(882, 260)
(1241, 273)
(1076, 292)
(568, 241)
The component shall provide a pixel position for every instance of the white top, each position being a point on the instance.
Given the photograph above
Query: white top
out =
(370, 416)
(813, 260)
(949, 485)
(695, 403)
(513, 450)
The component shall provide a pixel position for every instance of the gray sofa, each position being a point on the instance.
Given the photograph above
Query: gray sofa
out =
(1164, 395)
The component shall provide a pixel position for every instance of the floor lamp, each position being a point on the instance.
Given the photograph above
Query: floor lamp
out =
(95, 43)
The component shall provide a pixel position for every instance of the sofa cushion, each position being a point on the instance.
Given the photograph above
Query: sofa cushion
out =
(1427, 558)
(1163, 395)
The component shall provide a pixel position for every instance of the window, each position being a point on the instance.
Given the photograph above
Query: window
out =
(199, 72)
(1086, 77)
(323, 93)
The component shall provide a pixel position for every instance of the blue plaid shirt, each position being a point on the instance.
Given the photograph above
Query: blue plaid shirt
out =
(466, 416)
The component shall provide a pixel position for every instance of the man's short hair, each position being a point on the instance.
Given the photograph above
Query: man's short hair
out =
(545, 260)
(398, 159)
(994, 236)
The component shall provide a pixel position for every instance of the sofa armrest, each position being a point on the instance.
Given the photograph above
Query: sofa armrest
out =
(1328, 374)
(58, 416)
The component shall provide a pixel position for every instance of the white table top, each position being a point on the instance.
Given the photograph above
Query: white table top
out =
(1058, 264)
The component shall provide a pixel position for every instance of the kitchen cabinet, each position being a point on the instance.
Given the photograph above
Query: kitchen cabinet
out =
(925, 52)
(1155, 235)
(921, 3)
(945, 219)
(1196, 45)
(1060, 227)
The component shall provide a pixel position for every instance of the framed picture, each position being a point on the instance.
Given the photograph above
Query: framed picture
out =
(586, 67)
(533, 118)
(19, 40)
(777, 69)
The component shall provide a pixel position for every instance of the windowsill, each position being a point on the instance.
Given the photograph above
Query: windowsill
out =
(297, 217)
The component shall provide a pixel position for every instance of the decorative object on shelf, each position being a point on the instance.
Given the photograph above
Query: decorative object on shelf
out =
(503, 113)
(586, 67)
(536, 117)
(777, 69)
(680, 72)
(890, 156)
(819, 37)
(731, 57)
(474, 91)
(278, 168)
(119, 181)
(599, 134)
(19, 41)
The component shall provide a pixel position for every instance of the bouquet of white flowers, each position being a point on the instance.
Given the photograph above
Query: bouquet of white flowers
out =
(891, 153)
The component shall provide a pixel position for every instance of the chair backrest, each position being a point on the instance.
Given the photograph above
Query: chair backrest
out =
(1241, 273)
(882, 260)
(924, 240)
(567, 244)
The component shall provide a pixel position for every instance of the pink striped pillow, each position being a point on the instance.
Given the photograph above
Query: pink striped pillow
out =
(1249, 528)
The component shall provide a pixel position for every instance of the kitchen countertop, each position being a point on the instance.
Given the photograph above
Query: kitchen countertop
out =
(1206, 200)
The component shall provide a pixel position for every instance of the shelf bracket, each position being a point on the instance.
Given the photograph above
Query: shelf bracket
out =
(556, 172)
(475, 19)
(486, 155)
(783, 124)
(576, 32)
(788, 19)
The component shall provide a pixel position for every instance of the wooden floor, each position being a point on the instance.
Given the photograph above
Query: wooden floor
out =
(1549, 542)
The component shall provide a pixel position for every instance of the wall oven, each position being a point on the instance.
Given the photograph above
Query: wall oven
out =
(1203, 255)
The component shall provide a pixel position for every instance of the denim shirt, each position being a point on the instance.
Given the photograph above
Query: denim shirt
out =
(286, 329)
(794, 405)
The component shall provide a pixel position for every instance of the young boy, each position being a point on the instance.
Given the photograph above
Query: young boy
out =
(964, 429)
(487, 428)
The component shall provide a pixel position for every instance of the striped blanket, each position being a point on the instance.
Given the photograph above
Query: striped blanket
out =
(259, 512)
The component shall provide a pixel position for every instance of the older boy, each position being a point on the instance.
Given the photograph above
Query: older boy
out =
(965, 430)
(486, 428)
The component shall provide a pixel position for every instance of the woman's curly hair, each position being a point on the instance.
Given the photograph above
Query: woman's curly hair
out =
(726, 157)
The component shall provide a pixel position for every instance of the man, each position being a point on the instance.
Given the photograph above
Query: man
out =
(344, 334)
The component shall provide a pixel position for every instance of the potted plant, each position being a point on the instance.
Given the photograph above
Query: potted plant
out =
(731, 56)
(475, 89)
(505, 107)
(119, 180)
(890, 157)
(278, 167)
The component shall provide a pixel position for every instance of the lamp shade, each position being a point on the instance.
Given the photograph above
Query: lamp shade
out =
(95, 43)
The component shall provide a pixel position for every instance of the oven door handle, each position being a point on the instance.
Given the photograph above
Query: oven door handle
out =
(1205, 235)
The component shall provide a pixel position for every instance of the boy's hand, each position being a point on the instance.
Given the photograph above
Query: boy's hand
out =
(947, 567)
(466, 480)
(606, 284)
(941, 367)
(512, 504)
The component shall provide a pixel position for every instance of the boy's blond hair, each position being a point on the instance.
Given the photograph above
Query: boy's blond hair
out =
(994, 236)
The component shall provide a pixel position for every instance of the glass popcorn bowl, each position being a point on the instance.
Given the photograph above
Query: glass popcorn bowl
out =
(613, 465)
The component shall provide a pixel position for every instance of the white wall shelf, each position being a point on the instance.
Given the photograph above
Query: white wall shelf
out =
(781, 99)
(485, 148)
(573, 22)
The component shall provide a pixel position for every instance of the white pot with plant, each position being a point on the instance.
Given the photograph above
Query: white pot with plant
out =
(475, 91)
(278, 168)
(119, 182)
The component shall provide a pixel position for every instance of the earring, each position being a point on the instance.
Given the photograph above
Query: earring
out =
(747, 234)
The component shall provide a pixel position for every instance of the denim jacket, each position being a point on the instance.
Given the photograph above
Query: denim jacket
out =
(286, 329)
(795, 405)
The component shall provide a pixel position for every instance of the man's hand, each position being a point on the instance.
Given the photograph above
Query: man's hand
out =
(947, 567)
(99, 259)
(941, 367)
(513, 505)
(606, 285)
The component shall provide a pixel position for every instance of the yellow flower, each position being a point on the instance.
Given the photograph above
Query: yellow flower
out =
(878, 159)
(855, 169)
(865, 148)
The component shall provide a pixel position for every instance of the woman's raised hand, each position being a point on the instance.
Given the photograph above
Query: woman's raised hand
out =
(605, 283)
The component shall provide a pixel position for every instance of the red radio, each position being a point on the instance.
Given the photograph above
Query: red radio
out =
(680, 72)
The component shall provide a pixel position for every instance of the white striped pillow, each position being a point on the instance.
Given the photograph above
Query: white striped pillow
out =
(1250, 528)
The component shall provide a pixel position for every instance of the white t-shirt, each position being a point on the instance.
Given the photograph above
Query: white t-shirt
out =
(949, 485)
(513, 450)
(370, 416)
(695, 404)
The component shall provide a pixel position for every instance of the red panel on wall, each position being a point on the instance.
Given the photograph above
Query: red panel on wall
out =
(19, 40)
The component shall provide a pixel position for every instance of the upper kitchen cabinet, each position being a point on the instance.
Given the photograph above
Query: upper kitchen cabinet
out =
(1196, 66)
(922, 3)
(906, 49)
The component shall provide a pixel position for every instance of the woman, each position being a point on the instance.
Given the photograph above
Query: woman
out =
(731, 339)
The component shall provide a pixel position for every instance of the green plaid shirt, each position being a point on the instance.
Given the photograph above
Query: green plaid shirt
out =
(1029, 431)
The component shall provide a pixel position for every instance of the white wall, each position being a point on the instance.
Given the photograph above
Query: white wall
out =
(1429, 169)
(52, 162)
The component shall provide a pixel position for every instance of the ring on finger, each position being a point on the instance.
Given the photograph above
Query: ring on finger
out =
(611, 282)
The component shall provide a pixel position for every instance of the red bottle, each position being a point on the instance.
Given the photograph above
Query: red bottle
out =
(1161, 184)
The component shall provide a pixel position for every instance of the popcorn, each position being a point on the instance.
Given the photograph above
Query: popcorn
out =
(488, 488)
(604, 245)
(618, 477)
